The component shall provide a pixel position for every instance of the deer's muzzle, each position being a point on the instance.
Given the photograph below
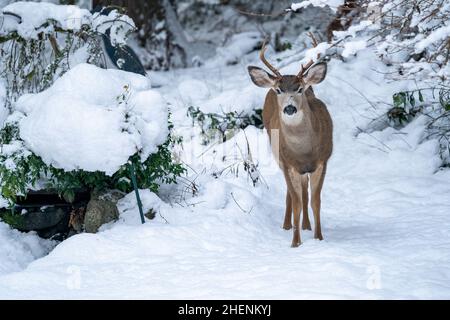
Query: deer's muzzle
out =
(290, 110)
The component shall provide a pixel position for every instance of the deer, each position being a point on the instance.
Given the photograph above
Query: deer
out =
(300, 132)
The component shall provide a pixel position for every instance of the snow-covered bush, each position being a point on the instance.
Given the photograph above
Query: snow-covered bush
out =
(82, 131)
(66, 124)
(41, 41)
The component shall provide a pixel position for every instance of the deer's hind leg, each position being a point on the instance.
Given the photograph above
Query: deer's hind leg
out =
(306, 225)
(287, 225)
(317, 178)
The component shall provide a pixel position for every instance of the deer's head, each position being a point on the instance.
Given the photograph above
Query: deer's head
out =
(290, 89)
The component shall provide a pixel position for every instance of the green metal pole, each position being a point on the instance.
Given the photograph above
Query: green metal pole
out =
(136, 191)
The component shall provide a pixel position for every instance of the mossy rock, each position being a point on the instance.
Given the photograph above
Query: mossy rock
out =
(99, 212)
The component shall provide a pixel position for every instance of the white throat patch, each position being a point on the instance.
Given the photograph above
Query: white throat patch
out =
(292, 120)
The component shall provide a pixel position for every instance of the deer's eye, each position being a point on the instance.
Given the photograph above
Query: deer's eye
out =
(278, 90)
(300, 90)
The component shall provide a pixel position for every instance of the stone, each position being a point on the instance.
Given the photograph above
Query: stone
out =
(99, 212)
(57, 232)
(45, 218)
(110, 195)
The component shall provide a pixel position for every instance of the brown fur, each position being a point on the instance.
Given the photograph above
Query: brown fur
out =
(289, 84)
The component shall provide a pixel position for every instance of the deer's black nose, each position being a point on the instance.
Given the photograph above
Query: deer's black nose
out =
(290, 110)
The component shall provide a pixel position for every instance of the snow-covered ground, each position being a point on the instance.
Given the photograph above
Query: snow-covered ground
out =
(385, 211)
(18, 249)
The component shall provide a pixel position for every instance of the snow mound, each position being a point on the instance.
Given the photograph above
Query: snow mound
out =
(129, 210)
(93, 119)
(18, 249)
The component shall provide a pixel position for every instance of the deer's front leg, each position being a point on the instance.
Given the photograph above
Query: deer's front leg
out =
(295, 190)
(317, 178)
(306, 225)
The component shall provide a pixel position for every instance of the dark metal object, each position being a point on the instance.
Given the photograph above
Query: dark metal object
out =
(136, 191)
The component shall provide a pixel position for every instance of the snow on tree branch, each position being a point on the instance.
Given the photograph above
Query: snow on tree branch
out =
(29, 19)
(332, 4)
(411, 35)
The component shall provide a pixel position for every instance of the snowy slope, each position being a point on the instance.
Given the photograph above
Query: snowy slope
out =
(385, 212)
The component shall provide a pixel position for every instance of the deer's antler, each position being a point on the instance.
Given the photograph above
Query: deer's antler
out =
(310, 62)
(263, 59)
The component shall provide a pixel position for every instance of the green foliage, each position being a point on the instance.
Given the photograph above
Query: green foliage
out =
(405, 107)
(20, 172)
(435, 105)
(17, 167)
(223, 125)
(439, 124)
(444, 98)
(12, 218)
(281, 45)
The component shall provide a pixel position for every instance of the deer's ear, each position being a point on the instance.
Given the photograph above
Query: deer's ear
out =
(260, 77)
(315, 74)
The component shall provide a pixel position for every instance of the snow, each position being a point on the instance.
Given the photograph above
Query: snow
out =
(31, 18)
(352, 47)
(128, 206)
(441, 33)
(86, 123)
(18, 249)
(239, 45)
(119, 25)
(385, 209)
(3, 109)
(354, 29)
(193, 90)
(332, 4)
(35, 14)
(319, 50)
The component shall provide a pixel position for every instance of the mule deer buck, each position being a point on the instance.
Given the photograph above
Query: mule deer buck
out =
(300, 133)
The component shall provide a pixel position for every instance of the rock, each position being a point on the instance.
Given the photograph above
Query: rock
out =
(150, 214)
(110, 195)
(57, 232)
(99, 212)
(46, 218)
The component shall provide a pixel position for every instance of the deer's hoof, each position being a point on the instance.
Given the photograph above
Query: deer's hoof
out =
(306, 226)
(295, 244)
(318, 236)
(287, 226)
